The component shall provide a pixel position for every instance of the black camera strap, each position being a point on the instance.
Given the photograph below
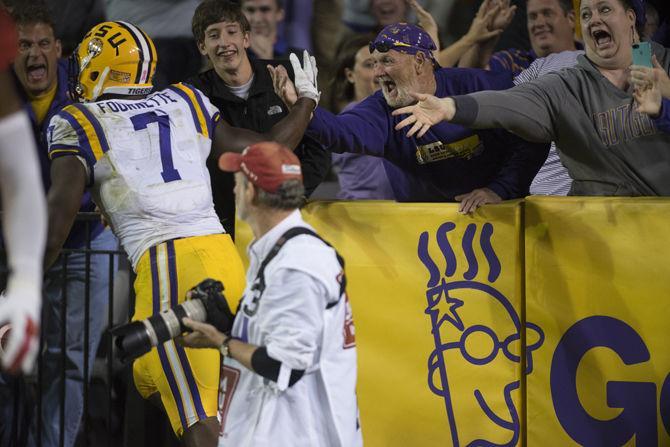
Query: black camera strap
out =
(288, 235)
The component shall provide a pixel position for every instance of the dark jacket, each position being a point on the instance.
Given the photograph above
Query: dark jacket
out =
(77, 237)
(262, 110)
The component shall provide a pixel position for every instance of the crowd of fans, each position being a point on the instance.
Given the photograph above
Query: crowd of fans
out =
(565, 112)
(534, 28)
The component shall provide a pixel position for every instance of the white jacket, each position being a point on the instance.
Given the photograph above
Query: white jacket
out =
(306, 324)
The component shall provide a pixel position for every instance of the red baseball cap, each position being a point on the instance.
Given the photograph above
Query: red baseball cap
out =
(266, 164)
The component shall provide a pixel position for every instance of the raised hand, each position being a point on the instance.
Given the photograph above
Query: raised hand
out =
(480, 29)
(20, 308)
(305, 76)
(426, 21)
(283, 86)
(476, 198)
(427, 112)
(474, 49)
(504, 16)
(646, 89)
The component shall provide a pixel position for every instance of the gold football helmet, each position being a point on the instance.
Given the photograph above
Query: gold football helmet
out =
(113, 58)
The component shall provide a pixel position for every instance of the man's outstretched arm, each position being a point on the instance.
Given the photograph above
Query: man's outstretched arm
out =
(527, 110)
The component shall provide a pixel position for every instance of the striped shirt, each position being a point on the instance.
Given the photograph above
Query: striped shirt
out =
(552, 179)
(513, 61)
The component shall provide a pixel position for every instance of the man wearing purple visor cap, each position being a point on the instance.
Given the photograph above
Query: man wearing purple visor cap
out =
(450, 163)
(408, 40)
(404, 38)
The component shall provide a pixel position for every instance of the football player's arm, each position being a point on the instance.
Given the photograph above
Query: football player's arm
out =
(24, 217)
(68, 182)
(288, 132)
(23, 228)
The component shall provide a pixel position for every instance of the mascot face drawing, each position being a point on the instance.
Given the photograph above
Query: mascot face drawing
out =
(477, 358)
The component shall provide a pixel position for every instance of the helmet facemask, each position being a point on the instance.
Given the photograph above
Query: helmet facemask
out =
(74, 88)
(77, 70)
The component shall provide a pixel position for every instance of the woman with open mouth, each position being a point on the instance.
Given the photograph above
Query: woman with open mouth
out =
(607, 145)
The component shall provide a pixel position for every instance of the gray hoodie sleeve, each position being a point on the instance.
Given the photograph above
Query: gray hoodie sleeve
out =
(528, 110)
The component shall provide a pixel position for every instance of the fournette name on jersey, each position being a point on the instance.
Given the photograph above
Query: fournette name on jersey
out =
(91, 142)
(156, 100)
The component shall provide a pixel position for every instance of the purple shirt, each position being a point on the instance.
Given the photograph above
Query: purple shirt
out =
(450, 159)
(512, 61)
(361, 177)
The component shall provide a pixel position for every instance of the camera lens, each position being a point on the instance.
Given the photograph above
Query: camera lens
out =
(193, 309)
(137, 338)
(133, 341)
(163, 326)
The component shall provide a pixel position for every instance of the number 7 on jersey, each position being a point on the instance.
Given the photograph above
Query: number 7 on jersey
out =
(140, 122)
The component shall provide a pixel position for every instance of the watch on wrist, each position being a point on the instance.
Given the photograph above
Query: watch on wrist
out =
(223, 349)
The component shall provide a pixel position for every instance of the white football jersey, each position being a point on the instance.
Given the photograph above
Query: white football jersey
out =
(303, 318)
(146, 160)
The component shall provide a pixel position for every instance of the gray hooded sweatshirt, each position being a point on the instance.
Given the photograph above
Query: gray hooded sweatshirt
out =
(607, 147)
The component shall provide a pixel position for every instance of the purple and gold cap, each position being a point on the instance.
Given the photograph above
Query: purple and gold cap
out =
(404, 38)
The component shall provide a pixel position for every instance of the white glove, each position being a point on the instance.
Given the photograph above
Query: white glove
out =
(305, 76)
(20, 307)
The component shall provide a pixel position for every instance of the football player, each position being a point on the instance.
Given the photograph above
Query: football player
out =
(143, 156)
(23, 218)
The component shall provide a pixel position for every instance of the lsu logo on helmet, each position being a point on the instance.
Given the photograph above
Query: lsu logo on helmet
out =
(113, 58)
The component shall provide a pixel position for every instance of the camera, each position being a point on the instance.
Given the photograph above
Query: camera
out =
(206, 304)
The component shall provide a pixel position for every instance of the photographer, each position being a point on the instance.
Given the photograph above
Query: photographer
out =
(289, 368)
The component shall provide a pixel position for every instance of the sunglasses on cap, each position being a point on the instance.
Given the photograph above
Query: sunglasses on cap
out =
(385, 46)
